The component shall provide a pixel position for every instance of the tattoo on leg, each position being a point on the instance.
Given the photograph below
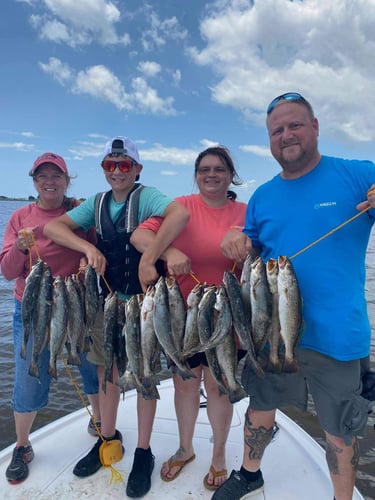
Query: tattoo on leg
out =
(356, 454)
(256, 438)
(331, 454)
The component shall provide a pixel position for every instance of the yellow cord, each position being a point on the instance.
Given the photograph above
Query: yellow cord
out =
(330, 232)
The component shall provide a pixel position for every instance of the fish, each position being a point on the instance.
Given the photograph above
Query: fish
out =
(290, 311)
(132, 333)
(222, 316)
(76, 324)
(133, 377)
(226, 353)
(29, 299)
(177, 312)
(58, 323)
(109, 332)
(119, 346)
(241, 326)
(205, 328)
(274, 362)
(163, 329)
(191, 335)
(41, 320)
(245, 286)
(78, 282)
(150, 345)
(92, 299)
(261, 305)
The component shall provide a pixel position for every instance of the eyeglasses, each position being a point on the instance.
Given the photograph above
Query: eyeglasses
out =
(289, 96)
(207, 170)
(124, 165)
(45, 178)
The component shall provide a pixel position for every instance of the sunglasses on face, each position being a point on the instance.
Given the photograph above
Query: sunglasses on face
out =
(289, 96)
(123, 165)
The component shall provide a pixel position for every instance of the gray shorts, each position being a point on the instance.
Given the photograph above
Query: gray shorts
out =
(335, 387)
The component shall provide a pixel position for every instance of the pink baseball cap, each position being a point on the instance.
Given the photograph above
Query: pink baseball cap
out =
(50, 158)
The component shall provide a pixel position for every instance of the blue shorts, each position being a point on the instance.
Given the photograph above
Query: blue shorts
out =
(31, 393)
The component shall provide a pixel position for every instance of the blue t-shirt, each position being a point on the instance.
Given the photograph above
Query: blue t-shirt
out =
(151, 203)
(285, 216)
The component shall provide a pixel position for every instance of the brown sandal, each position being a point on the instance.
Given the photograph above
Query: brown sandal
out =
(215, 473)
(176, 463)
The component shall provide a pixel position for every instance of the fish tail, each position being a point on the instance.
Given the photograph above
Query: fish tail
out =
(34, 369)
(274, 366)
(73, 359)
(52, 370)
(256, 366)
(23, 351)
(238, 394)
(290, 365)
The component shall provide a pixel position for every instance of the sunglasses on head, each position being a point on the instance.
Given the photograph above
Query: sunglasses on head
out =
(123, 165)
(289, 96)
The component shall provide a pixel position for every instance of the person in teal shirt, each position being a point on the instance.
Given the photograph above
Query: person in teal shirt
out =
(116, 214)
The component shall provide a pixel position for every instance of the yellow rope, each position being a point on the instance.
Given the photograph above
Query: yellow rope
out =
(116, 476)
(330, 232)
(194, 277)
(106, 283)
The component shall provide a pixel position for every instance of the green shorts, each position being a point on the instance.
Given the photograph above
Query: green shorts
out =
(335, 387)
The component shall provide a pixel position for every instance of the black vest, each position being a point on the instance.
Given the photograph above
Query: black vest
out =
(114, 242)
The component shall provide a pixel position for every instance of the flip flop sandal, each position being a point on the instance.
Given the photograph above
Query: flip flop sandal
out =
(215, 473)
(176, 463)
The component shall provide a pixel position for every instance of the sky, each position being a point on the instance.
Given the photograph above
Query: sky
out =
(177, 77)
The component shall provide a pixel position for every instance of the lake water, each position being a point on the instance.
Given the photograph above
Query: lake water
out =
(64, 398)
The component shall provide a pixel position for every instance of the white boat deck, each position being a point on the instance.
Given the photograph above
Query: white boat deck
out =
(294, 465)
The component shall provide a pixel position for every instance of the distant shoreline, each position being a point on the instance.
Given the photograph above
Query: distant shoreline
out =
(7, 198)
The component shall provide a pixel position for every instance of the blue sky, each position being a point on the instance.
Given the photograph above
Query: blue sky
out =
(176, 77)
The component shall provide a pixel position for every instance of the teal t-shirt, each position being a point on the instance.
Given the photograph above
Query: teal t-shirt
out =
(151, 203)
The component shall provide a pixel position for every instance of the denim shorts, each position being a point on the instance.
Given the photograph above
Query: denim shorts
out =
(31, 393)
(335, 387)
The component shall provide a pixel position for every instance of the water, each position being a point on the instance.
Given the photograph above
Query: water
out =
(64, 398)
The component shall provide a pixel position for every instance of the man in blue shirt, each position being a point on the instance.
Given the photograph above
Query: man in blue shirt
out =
(312, 195)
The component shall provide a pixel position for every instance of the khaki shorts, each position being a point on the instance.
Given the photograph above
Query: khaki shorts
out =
(335, 387)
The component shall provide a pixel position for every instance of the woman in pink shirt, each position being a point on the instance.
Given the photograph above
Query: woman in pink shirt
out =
(51, 181)
(213, 212)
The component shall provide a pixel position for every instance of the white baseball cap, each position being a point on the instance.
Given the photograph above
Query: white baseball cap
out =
(122, 145)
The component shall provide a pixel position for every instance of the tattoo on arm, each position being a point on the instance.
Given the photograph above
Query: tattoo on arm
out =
(256, 438)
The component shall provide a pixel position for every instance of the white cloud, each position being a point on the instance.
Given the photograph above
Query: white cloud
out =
(19, 146)
(80, 22)
(257, 150)
(58, 70)
(148, 100)
(98, 81)
(149, 68)
(101, 83)
(160, 31)
(168, 173)
(175, 156)
(258, 50)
